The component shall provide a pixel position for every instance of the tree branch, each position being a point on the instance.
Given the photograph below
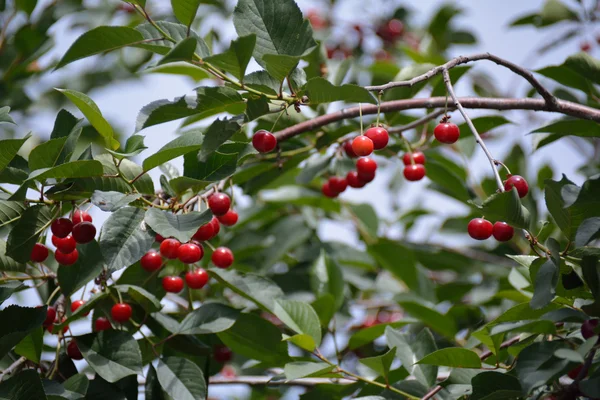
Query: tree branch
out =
(416, 123)
(15, 366)
(267, 381)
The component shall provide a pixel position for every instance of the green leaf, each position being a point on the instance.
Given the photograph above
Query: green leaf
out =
(181, 379)
(218, 133)
(367, 335)
(180, 226)
(409, 349)
(19, 322)
(566, 76)
(258, 289)
(112, 201)
(209, 318)
(556, 11)
(9, 149)
(133, 147)
(506, 207)
(5, 118)
(185, 10)
(7, 263)
(556, 204)
(320, 90)
(587, 231)
(152, 388)
(585, 65)
(31, 346)
(26, 232)
(186, 143)
(78, 383)
(235, 60)
(585, 205)
(113, 354)
(537, 365)
(454, 357)
(492, 385)
(55, 151)
(386, 252)
(147, 300)
(218, 166)
(55, 391)
(314, 166)
(73, 169)
(299, 317)
(93, 115)
(26, 5)
(441, 323)
(545, 283)
(484, 124)
(86, 268)
(453, 184)
(23, 386)
(10, 210)
(183, 51)
(381, 364)
(177, 32)
(568, 127)
(326, 278)
(100, 40)
(368, 221)
(179, 68)
(124, 238)
(305, 369)
(8, 288)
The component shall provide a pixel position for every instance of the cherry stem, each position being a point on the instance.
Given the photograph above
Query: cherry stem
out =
(361, 117)
(498, 162)
(378, 107)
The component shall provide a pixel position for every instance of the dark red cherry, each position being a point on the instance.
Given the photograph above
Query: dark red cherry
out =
(222, 354)
(205, 232)
(366, 166)
(66, 258)
(50, 316)
(219, 203)
(348, 149)
(588, 328)
(354, 181)
(264, 141)
(327, 191)
(337, 184)
(151, 261)
(480, 229)
(216, 226)
(66, 244)
(84, 232)
(81, 216)
(102, 324)
(502, 231)
(172, 284)
(190, 253)
(73, 351)
(61, 227)
(39, 253)
(76, 304)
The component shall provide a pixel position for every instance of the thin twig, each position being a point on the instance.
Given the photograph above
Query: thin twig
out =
(13, 367)
(416, 123)
(267, 381)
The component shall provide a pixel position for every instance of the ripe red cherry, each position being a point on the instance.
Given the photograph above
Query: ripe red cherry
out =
(121, 312)
(588, 328)
(414, 172)
(219, 203)
(102, 324)
(480, 229)
(81, 216)
(84, 232)
(366, 177)
(205, 232)
(39, 253)
(169, 247)
(446, 132)
(196, 279)
(337, 184)
(264, 141)
(151, 261)
(502, 231)
(172, 284)
(348, 149)
(50, 316)
(61, 227)
(222, 354)
(229, 219)
(50, 328)
(222, 257)
(362, 146)
(73, 351)
(158, 238)
(519, 182)
(354, 181)
(418, 157)
(216, 226)
(66, 244)
(575, 372)
(379, 136)
(327, 191)
(66, 258)
(190, 253)
(585, 46)
(366, 166)
(76, 304)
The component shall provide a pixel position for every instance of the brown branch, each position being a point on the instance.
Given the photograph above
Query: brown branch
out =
(416, 123)
(267, 381)
(15, 366)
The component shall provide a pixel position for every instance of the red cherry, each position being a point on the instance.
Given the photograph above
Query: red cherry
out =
(519, 182)
(337, 184)
(327, 191)
(81, 216)
(575, 372)
(50, 316)
(158, 238)
(348, 149)
(205, 232)
(502, 231)
(121, 312)
(391, 31)
(216, 226)
(73, 351)
(366, 177)
(76, 304)
(102, 324)
(370, 321)
(219, 203)
(229, 219)
(480, 229)
(61, 227)
(366, 166)
(50, 328)
(414, 172)
(169, 247)
(354, 181)
(585, 46)
(588, 328)
(39, 253)
(362, 146)
(379, 136)
(222, 257)
(66, 258)
(264, 141)
(196, 279)
(446, 132)
(222, 354)
(84, 232)
(66, 244)
(190, 253)
(418, 157)
(151, 261)
(172, 284)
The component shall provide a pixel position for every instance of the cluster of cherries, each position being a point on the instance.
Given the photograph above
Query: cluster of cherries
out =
(66, 234)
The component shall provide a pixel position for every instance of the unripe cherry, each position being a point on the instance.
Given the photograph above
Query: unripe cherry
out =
(172, 284)
(519, 182)
(151, 261)
(480, 229)
(418, 157)
(264, 141)
(362, 146)
(379, 136)
(219, 203)
(414, 172)
(196, 279)
(446, 132)
(222, 257)
(168, 248)
(39, 253)
(230, 218)
(502, 231)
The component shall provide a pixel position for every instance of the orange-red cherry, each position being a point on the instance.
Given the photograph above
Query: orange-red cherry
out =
(362, 146)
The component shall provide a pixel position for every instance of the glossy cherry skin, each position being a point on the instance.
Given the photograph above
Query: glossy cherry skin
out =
(379, 136)
(354, 181)
(158, 238)
(66, 258)
(169, 248)
(348, 149)
(102, 324)
(205, 232)
(61, 227)
(50, 316)
(73, 351)
(81, 216)
(222, 257)
(39, 253)
(190, 253)
(219, 203)
(327, 191)
(230, 218)
(588, 328)
(76, 304)
(264, 141)
(84, 232)
(121, 312)
(502, 231)
(446, 132)
(222, 354)
(216, 226)
(66, 244)
(418, 157)
(151, 261)
(196, 279)
(366, 177)
(172, 284)
(414, 172)
(366, 165)
(519, 182)
(362, 146)
(337, 184)
(480, 229)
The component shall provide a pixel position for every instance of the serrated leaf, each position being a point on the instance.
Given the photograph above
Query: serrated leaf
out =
(7, 263)
(186, 143)
(180, 226)
(86, 268)
(409, 349)
(10, 210)
(305, 369)
(210, 318)
(181, 379)
(73, 169)
(26, 232)
(183, 51)
(177, 32)
(217, 133)
(31, 346)
(300, 317)
(20, 322)
(112, 201)
(320, 90)
(26, 385)
(454, 357)
(235, 60)
(9, 149)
